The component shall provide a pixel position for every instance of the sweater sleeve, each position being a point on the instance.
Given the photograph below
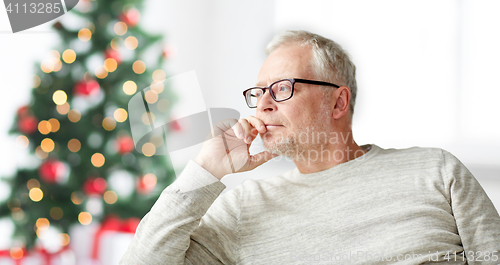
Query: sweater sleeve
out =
(173, 231)
(477, 219)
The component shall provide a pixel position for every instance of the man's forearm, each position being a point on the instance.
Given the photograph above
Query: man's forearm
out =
(163, 236)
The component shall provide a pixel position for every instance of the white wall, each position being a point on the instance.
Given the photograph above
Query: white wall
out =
(18, 53)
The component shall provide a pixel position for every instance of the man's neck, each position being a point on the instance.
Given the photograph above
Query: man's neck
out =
(329, 155)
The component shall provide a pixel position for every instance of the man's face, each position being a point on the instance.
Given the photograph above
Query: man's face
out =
(292, 124)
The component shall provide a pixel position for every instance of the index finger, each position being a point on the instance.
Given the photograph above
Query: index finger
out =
(257, 124)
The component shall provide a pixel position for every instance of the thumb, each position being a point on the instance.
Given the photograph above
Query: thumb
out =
(260, 158)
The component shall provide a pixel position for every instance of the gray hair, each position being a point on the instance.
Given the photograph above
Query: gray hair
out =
(330, 62)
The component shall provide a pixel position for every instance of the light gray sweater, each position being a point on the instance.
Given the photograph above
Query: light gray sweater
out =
(409, 206)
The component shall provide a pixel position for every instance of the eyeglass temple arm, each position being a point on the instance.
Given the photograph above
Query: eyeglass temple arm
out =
(312, 82)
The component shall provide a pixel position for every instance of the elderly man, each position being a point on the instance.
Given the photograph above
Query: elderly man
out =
(344, 203)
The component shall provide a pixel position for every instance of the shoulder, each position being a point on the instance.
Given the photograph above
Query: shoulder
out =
(416, 155)
(421, 153)
(413, 151)
(423, 159)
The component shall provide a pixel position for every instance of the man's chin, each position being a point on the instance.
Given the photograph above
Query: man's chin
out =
(283, 149)
(272, 144)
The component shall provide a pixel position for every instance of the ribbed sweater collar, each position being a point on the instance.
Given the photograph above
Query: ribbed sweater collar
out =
(338, 169)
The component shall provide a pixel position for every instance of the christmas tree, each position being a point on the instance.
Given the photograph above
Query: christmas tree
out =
(77, 126)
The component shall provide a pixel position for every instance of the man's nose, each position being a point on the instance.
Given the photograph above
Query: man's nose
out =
(266, 103)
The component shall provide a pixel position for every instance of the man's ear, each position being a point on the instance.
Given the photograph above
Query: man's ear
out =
(343, 96)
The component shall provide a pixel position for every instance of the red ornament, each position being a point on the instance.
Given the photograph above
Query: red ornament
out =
(58, 25)
(167, 51)
(124, 144)
(89, 88)
(113, 54)
(27, 124)
(175, 126)
(51, 171)
(146, 183)
(94, 186)
(23, 111)
(130, 17)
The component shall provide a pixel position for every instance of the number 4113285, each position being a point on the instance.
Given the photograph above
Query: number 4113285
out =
(34, 8)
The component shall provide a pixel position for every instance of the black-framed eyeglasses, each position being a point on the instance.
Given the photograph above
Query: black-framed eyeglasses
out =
(280, 90)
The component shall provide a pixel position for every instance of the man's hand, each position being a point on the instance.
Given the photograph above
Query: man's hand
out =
(227, 150)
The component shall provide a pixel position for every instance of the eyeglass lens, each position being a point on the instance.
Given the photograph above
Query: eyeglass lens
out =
(281, 90)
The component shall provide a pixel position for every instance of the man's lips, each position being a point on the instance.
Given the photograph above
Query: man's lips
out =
(273, 126)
